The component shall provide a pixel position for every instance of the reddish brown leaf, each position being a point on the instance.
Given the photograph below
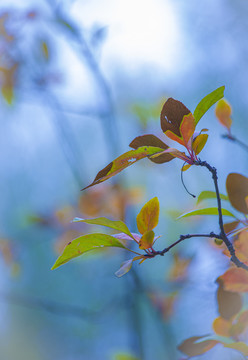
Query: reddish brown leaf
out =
(237, 190)
(172, 115)
(229, 303)
(192, 347)
(152, 140)
(235, 280)
(230, 226)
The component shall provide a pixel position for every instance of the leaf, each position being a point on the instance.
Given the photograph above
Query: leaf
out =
(239, 346)
(175, 153)
(186, 167)
(222, 327)
(230, 226)
(237, 190)
(204, 195)
(123, 162)
(191, 346)
(147, 240)
(206, 103)
(117, 225)
(235, 280)
(125, 356)
(223, 113)
(125, 268)
(229, 303)
(152, 140)
(172, 115)
(147, 219)
(199, 143)
(86, 243)
(206, 211)
(187, 128)
(126, 237)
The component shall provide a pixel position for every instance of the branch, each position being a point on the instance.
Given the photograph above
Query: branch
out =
(182, 238)
(222, 235)
(237, 141)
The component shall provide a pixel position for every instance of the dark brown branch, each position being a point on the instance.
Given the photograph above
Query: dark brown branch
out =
(222, 235)
(182, 238)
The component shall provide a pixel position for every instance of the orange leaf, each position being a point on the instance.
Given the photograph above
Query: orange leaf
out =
(147, 219)
(223, 112)
(237, 190)
(146, 240)
(187, 128)
(222, 327)
(192, 347)
(174, 137)
(235, 280)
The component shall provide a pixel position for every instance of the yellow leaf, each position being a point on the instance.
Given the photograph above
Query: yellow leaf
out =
(223, 113)
(147, 219)
(199, 143)
(146, 240)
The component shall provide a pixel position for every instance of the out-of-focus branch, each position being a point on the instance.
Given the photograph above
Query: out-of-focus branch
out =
(235, 140)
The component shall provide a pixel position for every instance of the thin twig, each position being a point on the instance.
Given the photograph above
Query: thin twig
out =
(237, 141)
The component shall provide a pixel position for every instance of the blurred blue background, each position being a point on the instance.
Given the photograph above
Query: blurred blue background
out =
(79, 80)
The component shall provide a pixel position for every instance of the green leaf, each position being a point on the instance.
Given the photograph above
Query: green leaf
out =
(208, 101)
(206, 211)
(123, 162)
(210, 195)
(86, 243)
(117, 225)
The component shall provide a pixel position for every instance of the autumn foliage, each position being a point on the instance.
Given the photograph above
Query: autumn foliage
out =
(178, 123)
